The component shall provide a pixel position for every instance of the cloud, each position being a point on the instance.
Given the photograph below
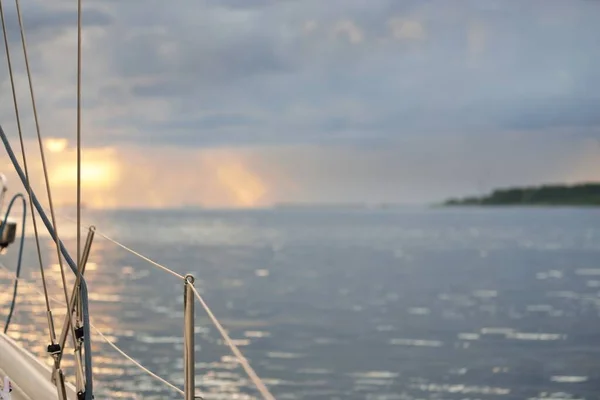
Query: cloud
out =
(414, 170)
(482, 63)
(310, 26)
(476, 37)
(349, 30)
(260, 80)
(43, 22)
(406, 29)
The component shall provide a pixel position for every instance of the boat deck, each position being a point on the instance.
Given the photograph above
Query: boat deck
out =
(29, 376)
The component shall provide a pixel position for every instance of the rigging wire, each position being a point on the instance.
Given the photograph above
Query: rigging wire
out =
(264, 391)
(44, 164)
(130, 250)
(104, 337)
(69, 260)
(135, 253)
(20, 257)
(78, 132)
(137, 364)
(262, 388)
(243, 361)
(51, 330)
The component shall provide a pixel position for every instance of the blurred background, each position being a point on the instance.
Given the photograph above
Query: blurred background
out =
(296, 156)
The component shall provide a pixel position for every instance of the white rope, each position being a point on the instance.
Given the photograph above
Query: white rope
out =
(137, 364)
(262, 388)
(107, 340)
(135, 253)
(130, 250)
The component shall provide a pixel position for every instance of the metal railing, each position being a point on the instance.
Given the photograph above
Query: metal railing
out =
(189, 371)
(79, 304)
(83, 291)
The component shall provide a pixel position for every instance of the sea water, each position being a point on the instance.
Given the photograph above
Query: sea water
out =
(412, 303)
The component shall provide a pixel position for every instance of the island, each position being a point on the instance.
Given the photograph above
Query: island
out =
(584, 194)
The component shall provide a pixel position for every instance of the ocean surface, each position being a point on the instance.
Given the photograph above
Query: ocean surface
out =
(405, 304)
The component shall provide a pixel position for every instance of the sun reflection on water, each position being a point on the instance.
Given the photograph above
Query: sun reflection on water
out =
(324, 308)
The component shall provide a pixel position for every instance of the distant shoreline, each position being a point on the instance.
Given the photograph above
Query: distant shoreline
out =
(578, 195)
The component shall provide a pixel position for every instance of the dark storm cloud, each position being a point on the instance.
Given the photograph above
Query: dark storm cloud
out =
(242, 3)
(326, 100)
(553, 114)
(41, 22)
(347, 70)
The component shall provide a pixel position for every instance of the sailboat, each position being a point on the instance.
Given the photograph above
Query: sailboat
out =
(23, 376)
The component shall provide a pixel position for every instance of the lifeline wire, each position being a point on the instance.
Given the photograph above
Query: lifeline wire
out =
(106, 339)
(130, 250)
(162, 267)
(262, 388)
(84, 290)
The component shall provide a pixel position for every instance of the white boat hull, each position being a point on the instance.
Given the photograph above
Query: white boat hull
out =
(30, 377)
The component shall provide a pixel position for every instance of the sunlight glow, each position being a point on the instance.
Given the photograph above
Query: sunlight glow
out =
(94, 174)
(246, 187)
(56, 145)
(100, 175)
(133, 177)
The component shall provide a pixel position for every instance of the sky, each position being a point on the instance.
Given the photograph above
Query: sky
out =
(249, 103)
